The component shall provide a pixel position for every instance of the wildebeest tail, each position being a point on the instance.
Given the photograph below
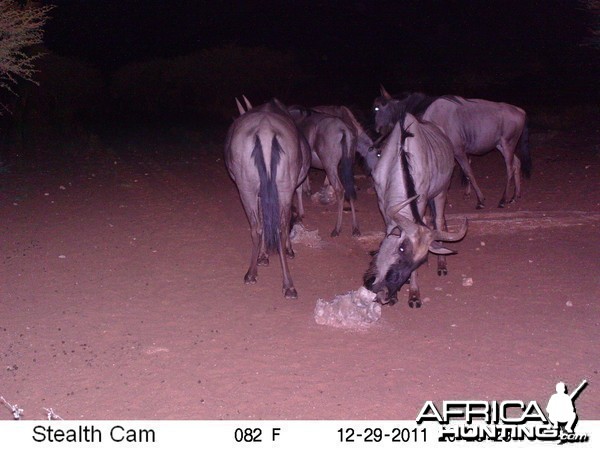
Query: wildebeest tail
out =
(268, 193)
(523, 151)
(345, 170)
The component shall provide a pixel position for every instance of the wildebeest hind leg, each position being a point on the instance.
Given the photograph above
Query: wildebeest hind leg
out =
(263, 256)
(517, 176)
(463, 161)
(288, 285)
(285, 235)
(300, 203)
(339, 193)
(250, 277)
(507, 152)
(355, 229)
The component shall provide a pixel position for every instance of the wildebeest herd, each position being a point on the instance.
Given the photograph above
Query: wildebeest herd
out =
(269, 150)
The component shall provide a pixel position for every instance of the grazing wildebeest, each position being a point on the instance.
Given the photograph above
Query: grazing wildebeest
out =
(414, 170)
(473, 126)
(363, 140)
(268, 158)
(332, 143)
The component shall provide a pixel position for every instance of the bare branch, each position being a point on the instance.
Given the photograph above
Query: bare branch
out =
(20, 29)
(593, 9)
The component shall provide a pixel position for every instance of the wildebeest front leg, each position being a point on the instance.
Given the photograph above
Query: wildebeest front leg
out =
(414, 296)
(439, 207)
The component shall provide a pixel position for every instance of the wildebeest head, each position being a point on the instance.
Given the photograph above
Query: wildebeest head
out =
(385, 110)
(402, 251)
(364, 147)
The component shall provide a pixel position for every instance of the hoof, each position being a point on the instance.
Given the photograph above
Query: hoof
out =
(250, 279)
(290, 254)
(414, 303)
(263, 260)
(442, 271)
(501, 204)
(355, 232)
(290, 293)
(335, 233)
(480, 206)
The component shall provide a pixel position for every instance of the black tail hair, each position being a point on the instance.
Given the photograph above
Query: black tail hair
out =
(268, 193)
(523, 152)
(345, 171)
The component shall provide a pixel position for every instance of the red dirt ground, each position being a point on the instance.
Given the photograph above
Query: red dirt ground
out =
(122, 297)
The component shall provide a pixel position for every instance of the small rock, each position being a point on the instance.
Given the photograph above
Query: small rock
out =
(467, 282)
(569, 303)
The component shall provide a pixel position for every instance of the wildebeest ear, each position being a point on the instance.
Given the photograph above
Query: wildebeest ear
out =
(240, 107)
(384, 93)
(436, 247)
(396, 232)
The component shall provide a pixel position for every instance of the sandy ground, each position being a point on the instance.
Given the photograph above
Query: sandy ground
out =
(121, 295)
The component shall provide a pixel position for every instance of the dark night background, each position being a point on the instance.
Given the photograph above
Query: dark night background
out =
(128, 63)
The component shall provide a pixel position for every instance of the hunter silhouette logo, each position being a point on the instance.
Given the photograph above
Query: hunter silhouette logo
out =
(561, 407)
(508, 420)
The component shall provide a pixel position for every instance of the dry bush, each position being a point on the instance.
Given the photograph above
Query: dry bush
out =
(21, 28)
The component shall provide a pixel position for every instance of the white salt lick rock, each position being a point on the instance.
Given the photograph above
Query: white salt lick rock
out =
(354, 310)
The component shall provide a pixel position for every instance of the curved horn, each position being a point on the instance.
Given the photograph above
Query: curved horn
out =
(451, 237)
(436, 248)
(247, 102)
(384, 93)
(395, 209)
(240, 107)
(403, 222)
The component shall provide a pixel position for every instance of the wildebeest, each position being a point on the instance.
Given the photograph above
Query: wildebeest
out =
(333, 146)
(363, 140)
(474, 127)
(414, 170)
(268, 158)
